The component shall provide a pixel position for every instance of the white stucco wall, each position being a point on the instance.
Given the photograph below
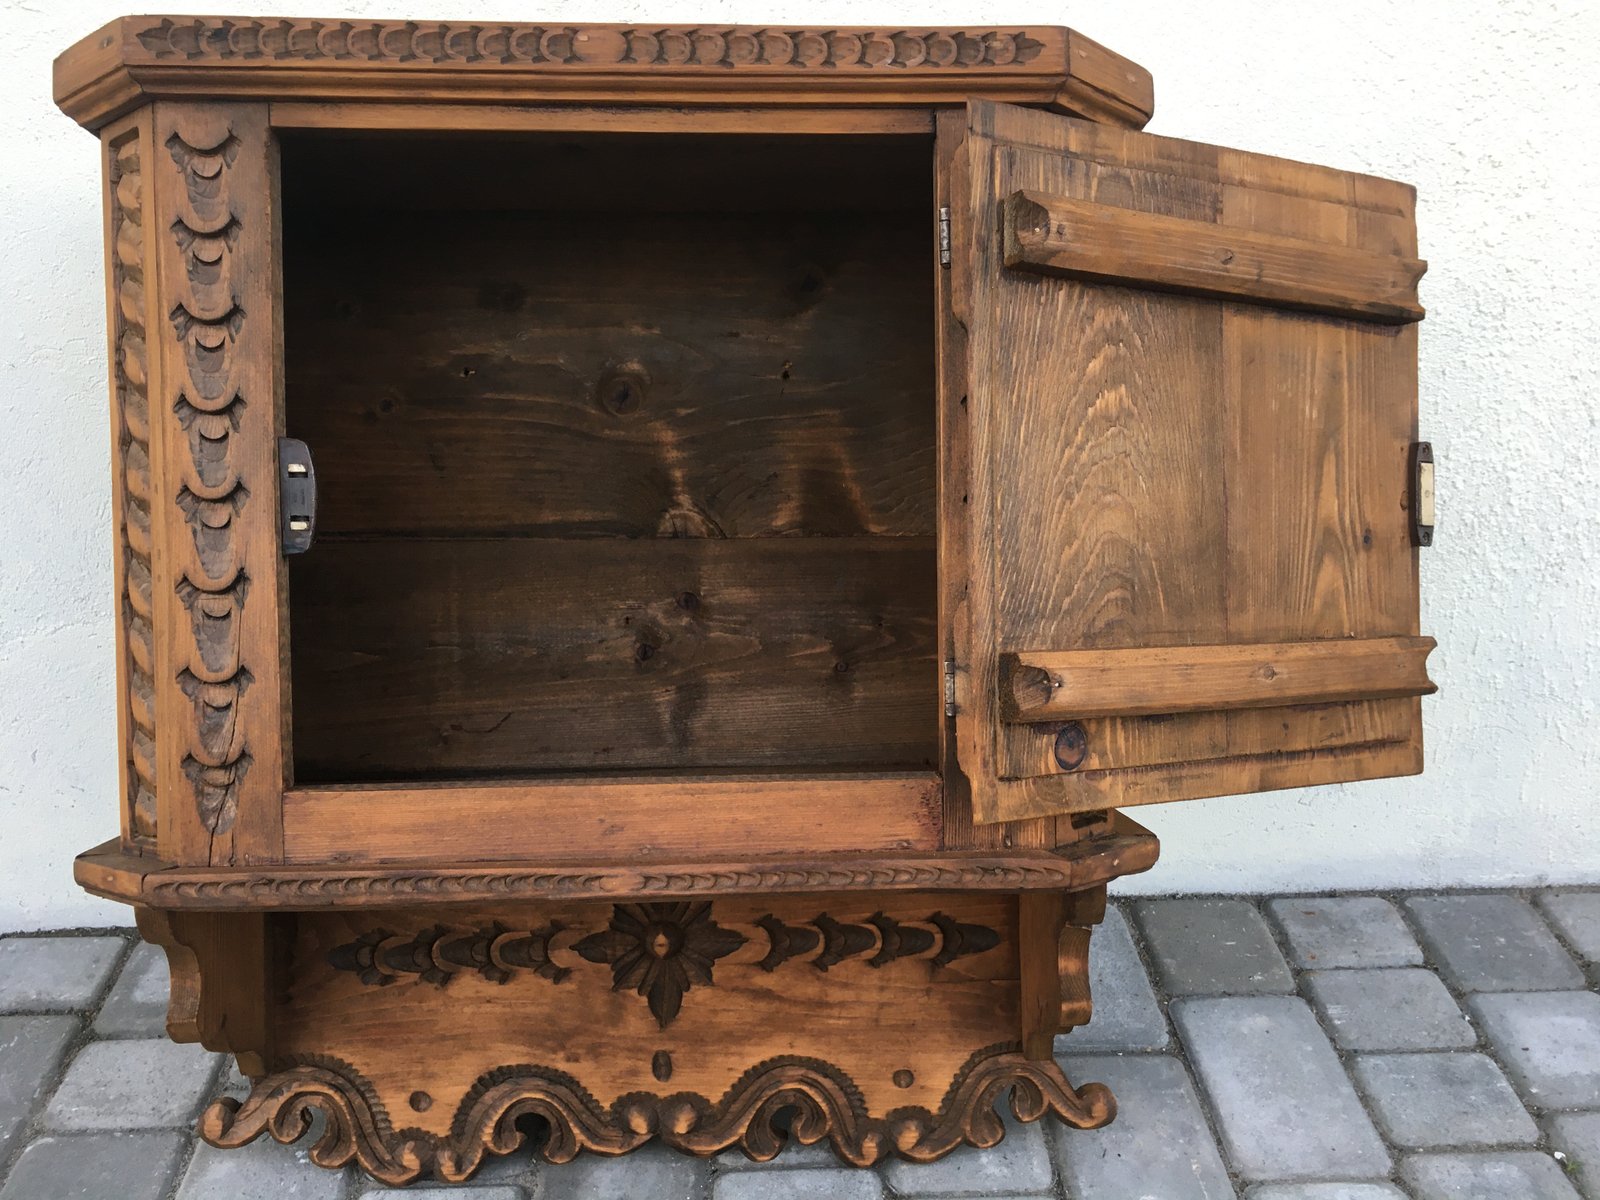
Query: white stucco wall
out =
(1486, 105)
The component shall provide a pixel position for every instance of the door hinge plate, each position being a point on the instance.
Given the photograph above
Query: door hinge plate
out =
(1422, 493)
(949, 687)
(944, 235)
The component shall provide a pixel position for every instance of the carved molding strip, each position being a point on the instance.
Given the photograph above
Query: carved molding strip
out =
(212, 587)
(178, 888)
(431, 43)
(131, 378)
(661, 951)
(827, 1104)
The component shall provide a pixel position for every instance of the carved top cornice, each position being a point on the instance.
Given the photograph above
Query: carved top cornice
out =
(136, 59)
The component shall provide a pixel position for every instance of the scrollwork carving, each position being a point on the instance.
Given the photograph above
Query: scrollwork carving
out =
(826, 1105)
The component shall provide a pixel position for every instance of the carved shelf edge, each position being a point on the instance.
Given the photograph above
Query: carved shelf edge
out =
(827, 1105)
(136, 59)
(107, 871)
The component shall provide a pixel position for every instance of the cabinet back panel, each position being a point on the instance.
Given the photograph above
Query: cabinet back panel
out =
(640, 373)
(429, 658)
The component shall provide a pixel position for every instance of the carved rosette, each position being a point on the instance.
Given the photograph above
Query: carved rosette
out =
(131, 383)
(826, 1104)
(433, 43)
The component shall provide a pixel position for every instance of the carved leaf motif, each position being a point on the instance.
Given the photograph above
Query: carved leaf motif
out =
(438, 955)
(211, 439)
(214, 617)
(206, 341)
(661, 951)
(202, 169)
(216, 789)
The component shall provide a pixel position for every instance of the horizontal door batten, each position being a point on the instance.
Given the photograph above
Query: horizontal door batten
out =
(1056, 685)
(1055, 235)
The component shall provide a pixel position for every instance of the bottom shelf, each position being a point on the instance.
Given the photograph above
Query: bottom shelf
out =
(1125, 848)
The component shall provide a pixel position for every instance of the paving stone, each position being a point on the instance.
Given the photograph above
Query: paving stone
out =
(1126, 1013)
(97, 1166)
(1345, 931)
(1508, 1175)
(456, 1192)
(1213, 948)
(1549, 1041)
(1021, 1163)
(143, 1084)
(1403, 1008)
(655, 1172)
(1493, 943)
(1159, 1145)
(263, 1170)
(1325, 1191)
(819, 1154)
(1430, 1101)
(55, 974)
(1282, 1102)
(1577, 1135)
(137, 1003)
(1576, 917)
(31, 1050)
(839, 1184)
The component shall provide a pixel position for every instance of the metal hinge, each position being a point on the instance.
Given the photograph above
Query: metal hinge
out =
(1422, 493)
(944, 235)
(949, 687)
(297, 496)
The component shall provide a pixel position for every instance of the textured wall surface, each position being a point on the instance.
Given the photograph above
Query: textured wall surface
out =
(1483, 104)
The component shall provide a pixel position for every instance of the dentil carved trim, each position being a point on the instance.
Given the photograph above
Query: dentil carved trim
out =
(208, 410)
(432, 43)
(660, 950)
(826, 1104)
(131, 379)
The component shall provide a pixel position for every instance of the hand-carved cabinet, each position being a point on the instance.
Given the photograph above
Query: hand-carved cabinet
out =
(759, 501)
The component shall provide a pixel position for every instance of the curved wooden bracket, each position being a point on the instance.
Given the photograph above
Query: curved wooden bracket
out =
(220, 980)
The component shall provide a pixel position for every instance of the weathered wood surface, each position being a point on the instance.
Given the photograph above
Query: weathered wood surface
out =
(1150, 680)
(1153, 469)
(138, 58)
(582, 817)
(1055, 235)
(455, 656)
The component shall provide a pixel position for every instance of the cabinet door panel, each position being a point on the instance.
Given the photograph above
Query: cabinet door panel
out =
(1192, 396)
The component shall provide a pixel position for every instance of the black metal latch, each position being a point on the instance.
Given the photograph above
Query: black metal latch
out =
(297, 496)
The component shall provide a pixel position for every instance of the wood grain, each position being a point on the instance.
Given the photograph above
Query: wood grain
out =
(1143, 681)
(1054, 235)
(216, 414)
(1216, 473)
(465, 656)
(134, 59)
(582, 817)
(674, 374)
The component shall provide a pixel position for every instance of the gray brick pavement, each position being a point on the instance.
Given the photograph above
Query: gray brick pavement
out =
(1344, 1072)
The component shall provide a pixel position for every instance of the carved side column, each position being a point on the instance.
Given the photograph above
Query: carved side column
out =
(216, 416)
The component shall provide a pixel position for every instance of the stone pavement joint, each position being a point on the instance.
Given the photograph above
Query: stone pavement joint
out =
(96, 1104)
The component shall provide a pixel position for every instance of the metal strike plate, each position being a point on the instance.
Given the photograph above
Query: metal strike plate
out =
(297, 496)
(1422, 494)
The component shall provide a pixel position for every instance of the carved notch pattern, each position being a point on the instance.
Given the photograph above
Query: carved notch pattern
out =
(439, 954)
(131, 378)
(436, 43)
(208, 411)
(826, 1103)
(660, 950)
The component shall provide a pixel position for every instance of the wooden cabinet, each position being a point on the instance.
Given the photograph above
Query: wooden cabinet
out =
(772, 496)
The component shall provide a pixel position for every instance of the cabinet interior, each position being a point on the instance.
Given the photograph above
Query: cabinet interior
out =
(625, 448)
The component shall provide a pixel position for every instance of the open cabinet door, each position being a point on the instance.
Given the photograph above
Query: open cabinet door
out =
(1191, 413)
